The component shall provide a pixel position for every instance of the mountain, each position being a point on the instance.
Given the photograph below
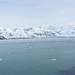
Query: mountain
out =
(43, 31)
(61, 30)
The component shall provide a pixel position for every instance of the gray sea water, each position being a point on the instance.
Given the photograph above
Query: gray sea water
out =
(48, 56)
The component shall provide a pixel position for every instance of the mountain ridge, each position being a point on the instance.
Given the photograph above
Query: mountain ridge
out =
(42, 31)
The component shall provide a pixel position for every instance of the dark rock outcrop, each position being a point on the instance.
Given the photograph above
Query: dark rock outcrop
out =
(2, 37)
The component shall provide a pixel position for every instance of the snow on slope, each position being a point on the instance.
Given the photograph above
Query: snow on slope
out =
(43, 31)
(61, 30)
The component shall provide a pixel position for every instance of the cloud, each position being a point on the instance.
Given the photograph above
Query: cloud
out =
(37, 12)
(68, 14)
(67, 0)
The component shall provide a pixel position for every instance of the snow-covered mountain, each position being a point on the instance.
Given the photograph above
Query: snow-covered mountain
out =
(43, 31)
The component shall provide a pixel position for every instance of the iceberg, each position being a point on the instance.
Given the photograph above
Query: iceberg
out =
(53, 59)
(0, 59)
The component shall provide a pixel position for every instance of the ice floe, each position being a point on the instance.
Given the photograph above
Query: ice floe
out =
(53, 59)
(0, 59)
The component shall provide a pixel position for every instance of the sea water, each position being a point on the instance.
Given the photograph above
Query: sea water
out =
(47, 56)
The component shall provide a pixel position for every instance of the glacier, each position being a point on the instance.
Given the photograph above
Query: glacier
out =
(39, 32)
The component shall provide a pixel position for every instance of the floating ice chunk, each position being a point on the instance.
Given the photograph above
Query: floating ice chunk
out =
(0, 59)
(53, 59)
(30, 47)
(51, 49)
(27, 43)
(8, 52)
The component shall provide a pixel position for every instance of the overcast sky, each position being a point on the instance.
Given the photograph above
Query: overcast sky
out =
(34, 13)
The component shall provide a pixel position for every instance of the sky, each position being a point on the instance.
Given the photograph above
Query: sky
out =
(34, 13)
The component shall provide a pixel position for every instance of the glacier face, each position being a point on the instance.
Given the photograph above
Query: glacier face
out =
(43, 31)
